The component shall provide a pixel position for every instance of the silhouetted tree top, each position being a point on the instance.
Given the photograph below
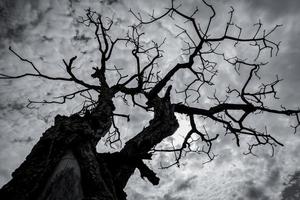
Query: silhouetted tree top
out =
(151, 88)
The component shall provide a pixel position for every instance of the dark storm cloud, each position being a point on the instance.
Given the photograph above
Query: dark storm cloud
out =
(23, 140)
(47, 39)
(8, 107)
(81, 37)
(15, 20)
(16, 106)
(292, 189)
(186, 184)
(254, 192)
(14, 32)
(110, 2)
(273, 178)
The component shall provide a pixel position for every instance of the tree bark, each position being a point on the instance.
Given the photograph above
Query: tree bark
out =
(64, 182)
(123, 164)
(64, 163)
(68, 133)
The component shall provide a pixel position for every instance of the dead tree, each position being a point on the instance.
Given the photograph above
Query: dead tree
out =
(92, 175)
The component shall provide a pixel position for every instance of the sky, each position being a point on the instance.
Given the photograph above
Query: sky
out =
(47, 31)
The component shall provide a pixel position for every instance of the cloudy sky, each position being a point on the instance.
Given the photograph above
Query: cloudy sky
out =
(47, 31)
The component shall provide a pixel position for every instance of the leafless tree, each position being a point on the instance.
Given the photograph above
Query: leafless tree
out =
(104, 175)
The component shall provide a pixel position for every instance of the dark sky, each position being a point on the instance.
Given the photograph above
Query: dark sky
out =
(46, 32)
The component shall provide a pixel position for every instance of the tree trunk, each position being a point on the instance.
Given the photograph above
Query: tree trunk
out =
(64, 163)
(76, 134)
(64, 182)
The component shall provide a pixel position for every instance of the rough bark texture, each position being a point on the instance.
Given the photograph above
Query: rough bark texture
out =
(64, 182)
(122, 164)
(94, 174)
(68, 133)
(45, 174)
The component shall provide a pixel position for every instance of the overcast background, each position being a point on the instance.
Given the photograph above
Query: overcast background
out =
(46, 32)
